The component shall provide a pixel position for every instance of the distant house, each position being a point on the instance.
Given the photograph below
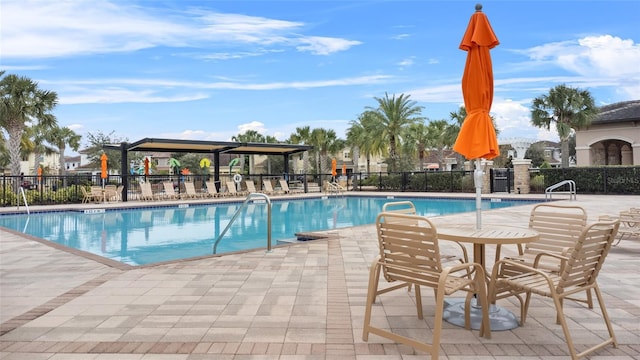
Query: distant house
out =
(613, 138)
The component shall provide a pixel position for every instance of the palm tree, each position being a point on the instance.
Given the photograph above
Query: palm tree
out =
(440, 138)
(418, 139)
(394, 115)
(569, 108)
(326, 143)
(22, 102)
(60, 137)
(302, 136)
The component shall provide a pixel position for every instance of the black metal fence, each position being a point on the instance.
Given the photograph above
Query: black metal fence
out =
(46, 190)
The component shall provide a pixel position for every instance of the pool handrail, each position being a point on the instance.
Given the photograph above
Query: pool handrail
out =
(250, 197)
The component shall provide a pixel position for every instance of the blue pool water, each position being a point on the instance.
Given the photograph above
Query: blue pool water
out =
(151, 235)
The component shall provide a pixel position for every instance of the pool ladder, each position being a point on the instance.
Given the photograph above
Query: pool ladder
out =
(249, 198)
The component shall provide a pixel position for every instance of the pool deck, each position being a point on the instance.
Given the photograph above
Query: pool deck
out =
(300, 301)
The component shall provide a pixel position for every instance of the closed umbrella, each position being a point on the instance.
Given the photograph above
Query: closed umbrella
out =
(477, 138)
(146, 166)
(344, 169)
(103, 167)
(334, 164)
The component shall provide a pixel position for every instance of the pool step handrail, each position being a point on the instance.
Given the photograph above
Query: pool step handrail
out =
(249, 198)
(24, 197)
(551, 189)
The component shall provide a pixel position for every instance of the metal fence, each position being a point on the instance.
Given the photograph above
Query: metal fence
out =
(44, 190)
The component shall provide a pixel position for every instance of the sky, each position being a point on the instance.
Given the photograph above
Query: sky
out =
(209, 70)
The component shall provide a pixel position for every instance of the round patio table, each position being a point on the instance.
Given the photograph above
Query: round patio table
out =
(501, 318)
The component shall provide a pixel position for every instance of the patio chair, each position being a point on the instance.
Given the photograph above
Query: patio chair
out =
(86, 195)
(268, 188)
(110, 193)
(97, 192)
(410, 254)
(211, 189)
(146, 193)
(251, 187)
(579, 269)
(629, 223)
(190, 191)
(559, 227)
(285, 188)
(231, 189)
(169, 191)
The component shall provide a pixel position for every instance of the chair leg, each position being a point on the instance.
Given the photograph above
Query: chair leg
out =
(374, 275)
(419, 302)
(605, 315)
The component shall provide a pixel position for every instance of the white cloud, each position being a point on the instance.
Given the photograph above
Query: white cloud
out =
(406, 62)
(42, 29)
(254, 125)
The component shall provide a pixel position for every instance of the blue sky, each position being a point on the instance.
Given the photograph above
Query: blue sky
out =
(212, 69)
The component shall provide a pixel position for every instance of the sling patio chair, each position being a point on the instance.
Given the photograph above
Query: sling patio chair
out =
(285, 188)
(558, 227)
(268, 188)
(169, 191)
(146, 193)
(409, 254)
(231, 189)
(190, 191)
(251, 187)
(579, 269)
(211, 189)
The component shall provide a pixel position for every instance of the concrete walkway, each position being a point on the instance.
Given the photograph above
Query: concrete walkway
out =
(302, 301)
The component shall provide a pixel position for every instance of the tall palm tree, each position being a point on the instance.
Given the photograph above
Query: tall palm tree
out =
(60, 137)
(440, 138)
(302, 136)
(569, 108)
(23, 102)
(418, 139)
(326, 143)
(394, 115)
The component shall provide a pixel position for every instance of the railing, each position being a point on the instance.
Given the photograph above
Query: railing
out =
(235, 216)
(334, 188)
(551, 189)
(24, 197)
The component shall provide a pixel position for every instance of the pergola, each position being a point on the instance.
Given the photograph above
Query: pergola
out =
(203, 147)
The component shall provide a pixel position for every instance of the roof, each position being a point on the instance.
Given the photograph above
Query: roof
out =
(201, 146)
(619, 112)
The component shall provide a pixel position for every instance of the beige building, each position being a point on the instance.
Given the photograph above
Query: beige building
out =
(612, 139)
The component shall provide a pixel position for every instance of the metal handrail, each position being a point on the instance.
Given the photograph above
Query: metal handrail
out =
(572, 189)
(235, 216)
(24, 197)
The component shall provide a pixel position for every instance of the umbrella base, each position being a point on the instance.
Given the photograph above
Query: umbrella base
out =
(501, 319)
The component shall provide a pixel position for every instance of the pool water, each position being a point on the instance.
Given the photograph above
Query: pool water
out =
(150, 235)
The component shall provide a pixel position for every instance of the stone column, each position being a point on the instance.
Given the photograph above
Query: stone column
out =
(486, 166)
(521, 176)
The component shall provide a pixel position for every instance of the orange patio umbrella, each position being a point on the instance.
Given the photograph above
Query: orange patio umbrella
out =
(146, 166)
(477, 138)
(334, 164)
(103, 166)
(39, 174)
(344, 169)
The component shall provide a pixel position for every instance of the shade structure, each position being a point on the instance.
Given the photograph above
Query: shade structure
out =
(146, 166)
(103, 166)
(334, 164)
(477, 138)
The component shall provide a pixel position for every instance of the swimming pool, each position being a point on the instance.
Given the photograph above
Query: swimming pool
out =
(150, 235)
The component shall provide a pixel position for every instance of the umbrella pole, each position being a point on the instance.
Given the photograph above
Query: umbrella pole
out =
(477, 180)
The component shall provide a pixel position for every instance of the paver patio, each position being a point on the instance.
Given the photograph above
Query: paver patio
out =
(301, 301)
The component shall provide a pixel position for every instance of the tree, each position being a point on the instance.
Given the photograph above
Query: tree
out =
(362, 136)
(95, 149)
(22, 104)
(326, 143)
(60, 137)
(394, 115)
(418, 140)
(535, 152)
(566, 107)
(440, 137)
(302, 136)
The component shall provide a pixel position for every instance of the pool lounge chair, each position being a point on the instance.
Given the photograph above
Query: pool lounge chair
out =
(629, 224)
(145, 192)
(268, 188)
(169, 191)
(251, 187)
(285, 188)
(212, 191)
(231, 189)
(190, 191)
